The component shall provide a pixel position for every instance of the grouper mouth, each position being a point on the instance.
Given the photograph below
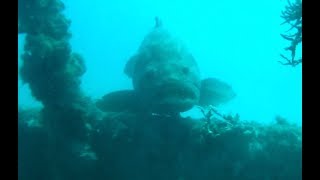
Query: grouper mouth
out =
(177, 96)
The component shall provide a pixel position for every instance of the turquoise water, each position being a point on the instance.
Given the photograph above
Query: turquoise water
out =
(82, 131)
(236, 41)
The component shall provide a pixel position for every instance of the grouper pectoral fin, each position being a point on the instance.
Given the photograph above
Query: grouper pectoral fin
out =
(119, 101)
(214, 92)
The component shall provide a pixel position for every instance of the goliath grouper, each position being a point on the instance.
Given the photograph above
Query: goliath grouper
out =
(166, 79)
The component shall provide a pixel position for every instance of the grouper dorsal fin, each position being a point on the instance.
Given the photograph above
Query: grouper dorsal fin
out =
(158, 22)
(119, 101)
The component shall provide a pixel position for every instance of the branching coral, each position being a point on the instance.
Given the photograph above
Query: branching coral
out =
(292, 16)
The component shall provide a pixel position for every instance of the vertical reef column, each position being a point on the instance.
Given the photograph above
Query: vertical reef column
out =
(50, 67)
(53, 73)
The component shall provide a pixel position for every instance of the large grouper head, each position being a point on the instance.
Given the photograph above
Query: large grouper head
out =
(165, 78)
(164, 73)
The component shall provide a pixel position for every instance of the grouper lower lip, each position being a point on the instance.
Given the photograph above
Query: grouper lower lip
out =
(180, 96)
(179, 89)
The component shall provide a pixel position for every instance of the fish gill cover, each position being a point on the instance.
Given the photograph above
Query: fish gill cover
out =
(70, 138)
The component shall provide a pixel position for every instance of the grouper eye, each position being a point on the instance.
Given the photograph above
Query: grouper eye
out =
(185, 70)
(150, 74)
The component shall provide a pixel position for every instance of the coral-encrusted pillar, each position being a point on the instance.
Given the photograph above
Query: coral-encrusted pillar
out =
(53, 73)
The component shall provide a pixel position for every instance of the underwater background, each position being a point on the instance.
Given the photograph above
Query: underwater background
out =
(107, 91)
(237, 41)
